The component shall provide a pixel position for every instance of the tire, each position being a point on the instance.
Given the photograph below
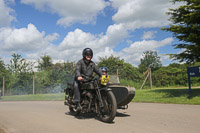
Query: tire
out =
(73, 111)
(108, 111)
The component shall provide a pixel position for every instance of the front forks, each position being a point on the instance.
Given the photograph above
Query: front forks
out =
(99, 95)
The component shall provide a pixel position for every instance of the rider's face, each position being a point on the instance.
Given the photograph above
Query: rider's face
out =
(88, 57)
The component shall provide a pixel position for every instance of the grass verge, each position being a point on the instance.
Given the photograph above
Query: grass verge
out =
(37, 97)
(161, 95)
(168, 95)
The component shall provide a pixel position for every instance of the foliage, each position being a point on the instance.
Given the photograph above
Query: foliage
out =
(51, 78)
(130, 73)
(126, 70)
(19, 76)
(18, 84)
(45, 63)
(42, 81)
(2, 66)
(112, 63)
(150, 58)
(2, 73)
(20, 65)
(173, 75)
(186, 28)
(125, 82)
(54, 79)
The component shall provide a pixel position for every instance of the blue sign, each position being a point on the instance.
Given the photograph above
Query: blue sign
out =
(192, 72)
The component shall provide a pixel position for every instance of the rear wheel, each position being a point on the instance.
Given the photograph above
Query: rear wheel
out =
(108, 111)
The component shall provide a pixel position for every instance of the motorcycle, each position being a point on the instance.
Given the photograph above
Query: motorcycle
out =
(95, 97)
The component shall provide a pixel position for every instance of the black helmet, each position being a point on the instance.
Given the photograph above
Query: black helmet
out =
(104, 69)
(87, 52)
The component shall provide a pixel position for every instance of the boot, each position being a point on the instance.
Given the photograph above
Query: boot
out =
(78, 106)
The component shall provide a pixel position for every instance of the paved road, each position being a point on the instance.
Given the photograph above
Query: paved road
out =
(54, 117)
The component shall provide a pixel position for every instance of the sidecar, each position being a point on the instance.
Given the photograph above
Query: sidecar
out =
(123, 94)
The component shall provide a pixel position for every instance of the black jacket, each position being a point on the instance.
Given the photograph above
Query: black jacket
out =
(86, 69)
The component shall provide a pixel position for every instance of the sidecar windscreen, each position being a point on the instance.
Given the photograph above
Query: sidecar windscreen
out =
(114, 80)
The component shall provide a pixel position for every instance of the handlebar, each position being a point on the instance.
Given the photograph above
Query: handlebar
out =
(88, 79)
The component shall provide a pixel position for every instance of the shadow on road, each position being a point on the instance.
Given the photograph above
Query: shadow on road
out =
(122, 115)
(83, 116)
(94, 116)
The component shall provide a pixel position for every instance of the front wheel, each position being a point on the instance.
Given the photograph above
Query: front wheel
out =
(108, 111)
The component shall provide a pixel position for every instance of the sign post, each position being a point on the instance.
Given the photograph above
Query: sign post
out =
(192, 72)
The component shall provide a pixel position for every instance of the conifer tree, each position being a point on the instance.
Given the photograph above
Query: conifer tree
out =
(186, 28)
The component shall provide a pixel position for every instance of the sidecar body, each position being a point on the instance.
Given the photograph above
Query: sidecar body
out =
(123, 94)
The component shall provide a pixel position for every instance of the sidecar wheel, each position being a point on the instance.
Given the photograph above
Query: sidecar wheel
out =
(108, 111)
(73, 111)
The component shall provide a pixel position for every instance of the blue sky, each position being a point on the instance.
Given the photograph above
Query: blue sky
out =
(63, 28)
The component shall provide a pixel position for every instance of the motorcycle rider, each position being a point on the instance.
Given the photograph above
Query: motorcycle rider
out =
(84, 67)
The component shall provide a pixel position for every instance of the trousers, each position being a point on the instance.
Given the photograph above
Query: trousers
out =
(77, 87)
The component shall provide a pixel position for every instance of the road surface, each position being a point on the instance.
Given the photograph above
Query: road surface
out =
(54, 117)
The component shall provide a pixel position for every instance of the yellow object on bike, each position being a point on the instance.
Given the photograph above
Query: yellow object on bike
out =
(105, 79)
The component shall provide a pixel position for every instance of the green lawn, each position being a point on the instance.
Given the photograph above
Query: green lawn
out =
(163, 95)
(37, 97)
(168, 95)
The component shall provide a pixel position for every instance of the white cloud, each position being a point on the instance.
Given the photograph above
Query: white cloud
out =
(142, 13)
(34, 44)
(71, 11)
(130, 15)
(148, 35)
(24, 40)
(134, 53)
(146, 45)
(77, 39)
(116, 33)
(6, 13)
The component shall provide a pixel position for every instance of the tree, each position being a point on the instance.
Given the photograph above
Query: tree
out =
(2, 66)
(14, 63)
(186, 28)
(56, 78)
(20, 65)
(112, 63)
(126, 70)
(150, 58)
(45, 63)
(20, 76)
